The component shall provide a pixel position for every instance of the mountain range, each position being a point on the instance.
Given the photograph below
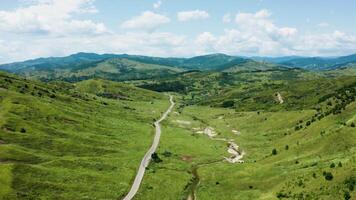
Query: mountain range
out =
(120, 67)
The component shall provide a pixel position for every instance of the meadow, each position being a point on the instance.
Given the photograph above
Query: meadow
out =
(295, 130)
(60, 143)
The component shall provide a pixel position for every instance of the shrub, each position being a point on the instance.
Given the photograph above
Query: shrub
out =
(350, 183)
(22, 130)
(340, 164)
(328, 176)
(287, 147)
(347, 195)
(156, 158)
(228, 103)
(353, 125)
(281, 195)
(274, 152)
(167, 154)
(332, 165)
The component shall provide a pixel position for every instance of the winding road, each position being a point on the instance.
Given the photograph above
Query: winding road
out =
(146, 159)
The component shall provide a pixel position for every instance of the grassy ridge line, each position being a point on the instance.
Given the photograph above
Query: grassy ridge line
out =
(117, 69)
(58, 141)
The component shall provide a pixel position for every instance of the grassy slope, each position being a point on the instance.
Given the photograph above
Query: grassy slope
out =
(59, 143)
(262, 176)
(48, 165)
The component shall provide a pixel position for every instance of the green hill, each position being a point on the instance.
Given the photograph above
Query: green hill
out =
(59, 140)
(294, 128)
(300, 148)
(320, 63)
(112, 69)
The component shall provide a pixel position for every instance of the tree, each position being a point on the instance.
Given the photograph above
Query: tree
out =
(287, 147)
(328, 176)
(296, 128)
(228, 103)
(332, 165)
(340, 164)
(274, 152)
(353, 125)
(155, 158)
(347, 195)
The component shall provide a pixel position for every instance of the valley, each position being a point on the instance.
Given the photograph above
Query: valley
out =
(235, 129)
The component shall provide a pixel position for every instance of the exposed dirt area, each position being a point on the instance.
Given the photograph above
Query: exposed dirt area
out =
(279, 98)
(182, 122)
(236, 132)
(236, 154)
(209, 131)
(187, 158)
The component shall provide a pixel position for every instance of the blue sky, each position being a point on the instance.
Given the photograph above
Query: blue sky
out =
(41, 28)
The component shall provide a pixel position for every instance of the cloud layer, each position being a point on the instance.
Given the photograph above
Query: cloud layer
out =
(51, 17)
(148, 21)
(57, 28)
(192, 15)
(257, 34)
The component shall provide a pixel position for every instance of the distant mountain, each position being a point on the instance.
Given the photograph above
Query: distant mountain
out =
(207, 62)
(56, 62)
(53, 66)
(320, 63)
(250, 66)
(275, 59)
(127, 67)
(117, 69)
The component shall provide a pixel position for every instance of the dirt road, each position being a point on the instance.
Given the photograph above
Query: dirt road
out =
(146, 159)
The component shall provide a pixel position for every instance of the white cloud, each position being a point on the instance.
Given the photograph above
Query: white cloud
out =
(51, 17)
(157, 4)
(257, 34)
(192, 15)
(148, 21)
(63, 34)
(143, 43)
(259, 26)
(205, 43)
(323, 24)
(227, 18)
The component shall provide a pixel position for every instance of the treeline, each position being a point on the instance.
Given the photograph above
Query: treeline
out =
(174, 86)
(336, 102)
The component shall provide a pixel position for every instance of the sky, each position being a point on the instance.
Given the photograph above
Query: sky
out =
(176, 28)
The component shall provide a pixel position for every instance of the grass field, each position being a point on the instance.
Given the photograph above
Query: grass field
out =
(59, 143)
(295, 172)
(85, 140)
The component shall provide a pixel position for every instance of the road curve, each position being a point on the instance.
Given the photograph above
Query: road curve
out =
(146, 159)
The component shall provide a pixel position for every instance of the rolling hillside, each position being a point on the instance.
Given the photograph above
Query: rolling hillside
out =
(117, 69)
(241, 128)
(69, 141)
(319, 63)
